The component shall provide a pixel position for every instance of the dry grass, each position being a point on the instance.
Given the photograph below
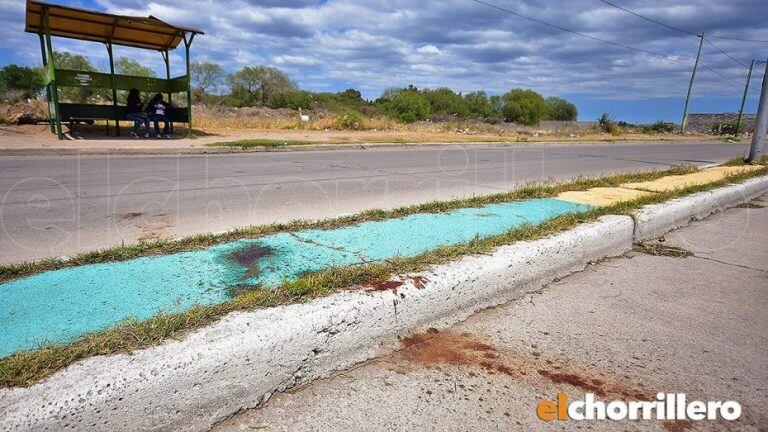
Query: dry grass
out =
(259, 118)
(23, 113)
(229, 121)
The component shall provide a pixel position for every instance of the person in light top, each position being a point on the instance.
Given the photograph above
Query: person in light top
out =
(159, 110)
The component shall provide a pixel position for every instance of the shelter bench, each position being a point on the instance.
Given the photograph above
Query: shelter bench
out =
(75, 113)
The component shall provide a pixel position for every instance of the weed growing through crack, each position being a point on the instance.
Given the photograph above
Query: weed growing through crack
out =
(750, 205)
(660, 249)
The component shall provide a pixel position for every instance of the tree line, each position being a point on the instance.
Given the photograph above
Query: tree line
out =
(272, 87)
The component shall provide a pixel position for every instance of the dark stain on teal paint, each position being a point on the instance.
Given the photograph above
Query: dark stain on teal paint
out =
(249, 256)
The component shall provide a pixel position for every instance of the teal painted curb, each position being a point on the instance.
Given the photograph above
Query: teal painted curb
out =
(61, 305)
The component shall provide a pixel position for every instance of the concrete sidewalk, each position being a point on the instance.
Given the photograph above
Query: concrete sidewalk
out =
(627, 327)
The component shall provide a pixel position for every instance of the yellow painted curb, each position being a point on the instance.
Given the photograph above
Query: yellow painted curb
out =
(602, 196)
(703, 177)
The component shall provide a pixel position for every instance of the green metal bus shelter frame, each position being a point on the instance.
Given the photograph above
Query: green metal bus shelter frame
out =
(47, 20)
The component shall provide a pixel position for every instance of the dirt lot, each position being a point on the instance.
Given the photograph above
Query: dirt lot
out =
(283, 127)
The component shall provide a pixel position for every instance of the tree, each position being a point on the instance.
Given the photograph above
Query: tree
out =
(497, 103)
(407, 105)
(206, 76)
(524, 107)
(443, 100)
(256, 85)
(480, 106)
(126, 66)
(350, 95)
(23, 82)
(66, 60)
(561, 109)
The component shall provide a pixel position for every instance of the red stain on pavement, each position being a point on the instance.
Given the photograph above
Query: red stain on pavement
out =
(434, 348)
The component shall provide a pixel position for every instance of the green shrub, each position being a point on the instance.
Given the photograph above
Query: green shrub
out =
(608, 124)
(257, 85)
(561, 109)
(445, 101)
(349, 119)
(723, 128)
(524, 107)
(481, 107)
(293, 99)
(407, 105)
(349, 98)
(23, 81)
(662, 127)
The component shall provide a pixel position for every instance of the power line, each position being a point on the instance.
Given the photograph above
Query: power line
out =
(725, 53)
(673, 28)
(650, 19)
(720, 73)
(678, 28)
(536, 20)
(739, 39)
(574, 31)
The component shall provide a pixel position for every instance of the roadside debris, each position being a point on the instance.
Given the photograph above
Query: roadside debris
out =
(660, 249)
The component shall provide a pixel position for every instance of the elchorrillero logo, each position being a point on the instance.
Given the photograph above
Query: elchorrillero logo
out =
(666, 406)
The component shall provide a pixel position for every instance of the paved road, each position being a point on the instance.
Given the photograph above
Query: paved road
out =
(54, 206)
(625, 328)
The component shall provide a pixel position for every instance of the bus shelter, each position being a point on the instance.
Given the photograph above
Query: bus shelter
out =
(47, 20)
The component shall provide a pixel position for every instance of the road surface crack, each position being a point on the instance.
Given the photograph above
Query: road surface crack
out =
(360, 256)
(731, 264)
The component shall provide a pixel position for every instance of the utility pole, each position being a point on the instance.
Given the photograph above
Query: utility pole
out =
(761, 123)
(690, 85)
(744, 99)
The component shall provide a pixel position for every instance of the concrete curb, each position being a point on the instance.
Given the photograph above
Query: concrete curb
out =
(238, 362)
(241, 360)
(655, 220)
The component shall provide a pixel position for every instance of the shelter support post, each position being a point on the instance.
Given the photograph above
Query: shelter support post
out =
(51, 70)
(47, 85)
(114, 91)
(168, 77)
(187, 43)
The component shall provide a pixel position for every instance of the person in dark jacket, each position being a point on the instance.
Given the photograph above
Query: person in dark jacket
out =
(159, 110)
(136, 113)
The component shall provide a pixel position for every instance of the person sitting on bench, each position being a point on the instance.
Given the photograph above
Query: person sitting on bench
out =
(135, 113)
(159, 110)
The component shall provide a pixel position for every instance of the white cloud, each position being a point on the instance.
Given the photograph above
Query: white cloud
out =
(375, 44)
(428, 49)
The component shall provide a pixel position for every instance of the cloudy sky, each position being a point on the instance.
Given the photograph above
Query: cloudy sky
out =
(375, 44)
